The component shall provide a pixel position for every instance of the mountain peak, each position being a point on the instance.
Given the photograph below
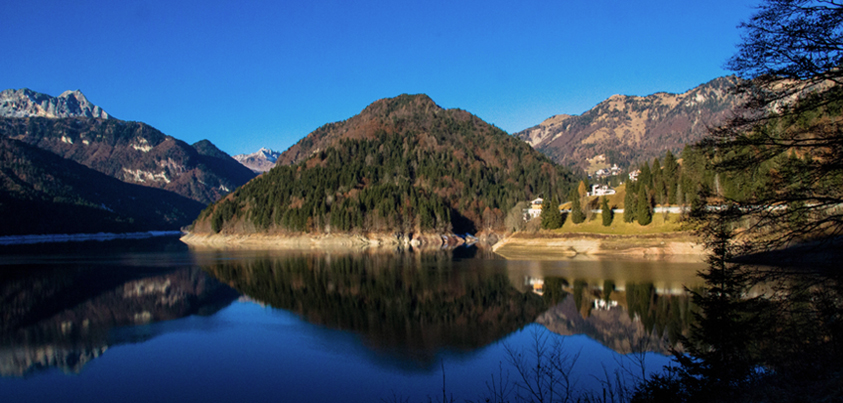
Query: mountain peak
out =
(401, 104)
(25, 103)
(260, 161)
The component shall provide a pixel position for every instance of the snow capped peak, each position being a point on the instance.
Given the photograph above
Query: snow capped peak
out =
(260, 161)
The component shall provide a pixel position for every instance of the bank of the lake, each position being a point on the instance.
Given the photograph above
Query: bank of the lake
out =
(554, 245)
(322, 241)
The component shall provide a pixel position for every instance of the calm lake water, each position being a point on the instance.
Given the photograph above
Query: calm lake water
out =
(152, 320)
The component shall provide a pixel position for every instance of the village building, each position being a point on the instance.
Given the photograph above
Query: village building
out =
(633, 176)
(601, 190)
(535, 209)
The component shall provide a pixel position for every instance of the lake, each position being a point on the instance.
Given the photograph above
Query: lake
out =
(153, 320)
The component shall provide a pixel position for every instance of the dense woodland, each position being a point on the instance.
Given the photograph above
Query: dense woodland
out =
(422, 169)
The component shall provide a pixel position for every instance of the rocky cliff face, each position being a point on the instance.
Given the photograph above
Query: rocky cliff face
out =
(261, 161)
(25, 103)
(631, 129)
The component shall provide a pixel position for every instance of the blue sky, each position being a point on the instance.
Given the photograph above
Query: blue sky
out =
(248, 74)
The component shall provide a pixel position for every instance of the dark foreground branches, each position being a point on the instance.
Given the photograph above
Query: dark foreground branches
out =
(761, 334)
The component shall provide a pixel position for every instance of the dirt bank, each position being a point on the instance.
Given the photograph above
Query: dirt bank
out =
(344, 241)
(554, 246)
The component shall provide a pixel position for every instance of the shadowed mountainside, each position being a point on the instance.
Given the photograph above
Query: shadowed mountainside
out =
(42, 193)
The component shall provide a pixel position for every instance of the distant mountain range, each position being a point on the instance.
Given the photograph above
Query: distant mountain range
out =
(133, 152)
(630, 129)
(260, 161)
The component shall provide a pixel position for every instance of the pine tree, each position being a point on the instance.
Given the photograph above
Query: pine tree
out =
(643, 213)
(630, 202)
(551, 217)
(577, 215)
(607, 214)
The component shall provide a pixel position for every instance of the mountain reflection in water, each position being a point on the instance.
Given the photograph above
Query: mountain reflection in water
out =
(412, 304)
(64, 316)
(353, 317)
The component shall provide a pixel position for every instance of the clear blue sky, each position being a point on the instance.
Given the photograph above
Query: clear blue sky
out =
(246, 74)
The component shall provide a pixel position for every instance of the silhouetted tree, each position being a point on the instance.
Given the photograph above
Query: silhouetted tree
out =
(790, 57)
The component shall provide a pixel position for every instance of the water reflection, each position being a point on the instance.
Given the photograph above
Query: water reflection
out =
(414, 305)
(628, 306)
(65, 317)
(361, 317)
(410, 304)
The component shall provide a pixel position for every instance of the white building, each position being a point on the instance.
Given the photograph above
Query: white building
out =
(601, 190)
(535, 209)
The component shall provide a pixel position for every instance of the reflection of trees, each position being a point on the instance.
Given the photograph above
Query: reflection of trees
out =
(668, 315)
(638, 323)
(415, 301)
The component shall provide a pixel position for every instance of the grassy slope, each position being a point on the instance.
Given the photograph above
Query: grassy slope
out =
(619, 227)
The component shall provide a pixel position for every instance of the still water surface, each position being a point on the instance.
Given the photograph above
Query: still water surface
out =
(151, 320)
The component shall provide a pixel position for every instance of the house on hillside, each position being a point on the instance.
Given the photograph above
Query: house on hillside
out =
(601, 190)
(633, 176)
(535, 209)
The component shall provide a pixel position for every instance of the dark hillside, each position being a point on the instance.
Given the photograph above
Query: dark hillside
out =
(42, 193)
(134, 152)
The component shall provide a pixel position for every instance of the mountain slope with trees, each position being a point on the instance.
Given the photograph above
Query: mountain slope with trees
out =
(42, 193)
(134, 152)
(403, 165)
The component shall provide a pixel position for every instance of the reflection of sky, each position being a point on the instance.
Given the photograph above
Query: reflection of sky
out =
(249, 353)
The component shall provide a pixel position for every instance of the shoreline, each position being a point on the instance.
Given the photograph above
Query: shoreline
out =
(323, 241)
(100, 236)
(551, 246)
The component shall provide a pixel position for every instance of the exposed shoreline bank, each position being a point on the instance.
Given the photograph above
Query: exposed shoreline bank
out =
(545, 246)
(330, 241)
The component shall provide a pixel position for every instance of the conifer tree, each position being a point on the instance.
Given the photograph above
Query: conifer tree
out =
(607, 213)
(551, 217)
(630, 202)
(577, 215)
(643, 213)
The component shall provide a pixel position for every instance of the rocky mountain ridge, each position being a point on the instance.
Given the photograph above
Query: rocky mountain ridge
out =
(260, 161)
(25, 103)
(631, 129)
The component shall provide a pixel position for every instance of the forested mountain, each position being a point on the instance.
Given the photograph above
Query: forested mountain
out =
(629, 129)
(134, 152)
(42, 193)
(403, 164)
